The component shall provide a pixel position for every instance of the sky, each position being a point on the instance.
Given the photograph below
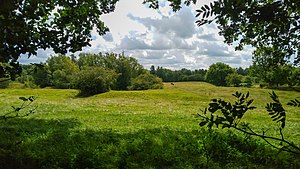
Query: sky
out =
(160, 38)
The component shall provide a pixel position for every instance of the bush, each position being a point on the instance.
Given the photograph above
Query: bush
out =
(146, 81)
(217, 73)
(233, 79)
(61, 80)
(94, 80)
(248, 81)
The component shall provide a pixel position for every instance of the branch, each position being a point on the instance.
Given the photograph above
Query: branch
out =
(264, 137)
(26, 103)
(232, 113)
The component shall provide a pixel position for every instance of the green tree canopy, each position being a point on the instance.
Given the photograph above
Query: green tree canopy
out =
(62, 70)
(234, 79)
(271, 26)
(146, 81)
(127, 68)
(217, 73)
(94, 80)
(63, 25)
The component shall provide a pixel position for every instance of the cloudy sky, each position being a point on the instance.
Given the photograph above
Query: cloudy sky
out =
(161, 38)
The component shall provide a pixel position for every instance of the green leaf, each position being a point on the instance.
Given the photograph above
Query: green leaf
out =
(207, 7)
(250, 102)
(203, 123)
(23, 98)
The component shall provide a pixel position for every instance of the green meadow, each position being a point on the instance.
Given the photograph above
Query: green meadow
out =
(139, 129)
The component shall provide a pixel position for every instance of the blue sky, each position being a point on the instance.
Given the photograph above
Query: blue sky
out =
(161, 38)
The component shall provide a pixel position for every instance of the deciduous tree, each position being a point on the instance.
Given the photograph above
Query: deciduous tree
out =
(63, 25)
(217, 73)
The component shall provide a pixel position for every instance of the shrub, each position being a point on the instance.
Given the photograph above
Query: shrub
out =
(146, 81)
(61, 80)
(217, 73)
(248, 81)
(233, 79)
(94, 80)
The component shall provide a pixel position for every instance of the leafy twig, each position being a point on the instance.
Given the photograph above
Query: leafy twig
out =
(232, 113)
(16, 112)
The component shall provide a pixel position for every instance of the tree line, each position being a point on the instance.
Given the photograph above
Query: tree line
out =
(98, 73)
(221, 74)
(90, 73)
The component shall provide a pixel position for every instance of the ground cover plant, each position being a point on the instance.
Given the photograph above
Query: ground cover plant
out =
(138, 129)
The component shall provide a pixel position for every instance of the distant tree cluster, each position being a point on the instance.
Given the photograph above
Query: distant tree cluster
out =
(90, 73)
(168, 75)
(221, 74)
(98, 73)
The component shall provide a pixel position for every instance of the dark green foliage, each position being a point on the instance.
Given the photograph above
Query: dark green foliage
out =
(175, 4)
(275, 75)
(217, 73)
(232, 113)
(64, 26)
(127, 68)
(276, 110)
(61, 80)
(62, 70)
(248, 81)
(242, 71)
(168, 75)
(234, 79)
(259, 24)
(90, 60)
(94, 80)
(294, 77)
(41, 75)
(59, 71)
(9, 70)
(36, 143)
(295, 103)
(146, 81)
(229, 115)
(25, 109)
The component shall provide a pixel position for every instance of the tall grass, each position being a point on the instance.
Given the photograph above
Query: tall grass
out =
(138, 129)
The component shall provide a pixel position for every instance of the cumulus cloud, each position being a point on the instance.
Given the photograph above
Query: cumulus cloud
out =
(136, 41)
(42, 56)
(108, 37)
(208, 37)
(181, 24)
(161, 38)
(214, 49)
(132, 43)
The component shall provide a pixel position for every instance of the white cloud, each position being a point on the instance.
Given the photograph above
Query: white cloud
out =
(42, 56)
(161, 38)
(108, 37)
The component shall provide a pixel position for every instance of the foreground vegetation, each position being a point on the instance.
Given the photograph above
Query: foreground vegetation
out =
(138, 129)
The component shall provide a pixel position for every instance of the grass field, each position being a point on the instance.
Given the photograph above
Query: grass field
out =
(138, 129)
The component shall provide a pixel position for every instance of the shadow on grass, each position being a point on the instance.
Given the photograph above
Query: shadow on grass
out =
(36, 143)
(286, 88)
